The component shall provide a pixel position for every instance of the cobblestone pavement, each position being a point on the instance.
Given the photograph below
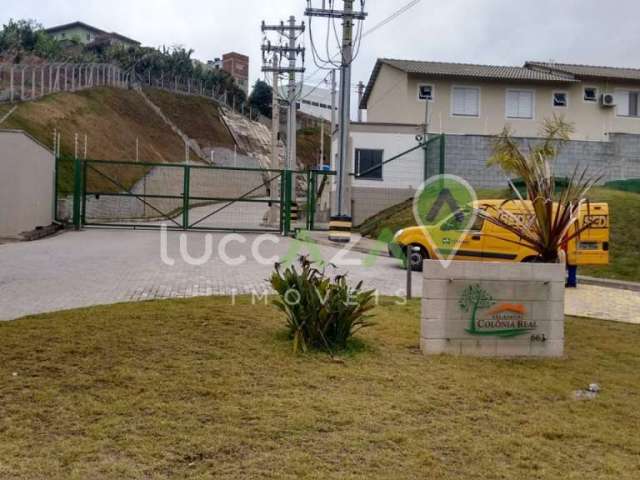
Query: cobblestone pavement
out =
(97, 267)
(604, 303)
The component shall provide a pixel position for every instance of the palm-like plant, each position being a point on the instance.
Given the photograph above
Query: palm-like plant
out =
(546, 225)
(321, 313)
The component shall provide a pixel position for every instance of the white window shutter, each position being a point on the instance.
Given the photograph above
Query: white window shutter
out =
(622, 102)
(458, 101)
(512, 104)
(471, 102)
(525, 105)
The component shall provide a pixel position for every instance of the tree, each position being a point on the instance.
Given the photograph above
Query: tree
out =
(473, 298)
(261, 98)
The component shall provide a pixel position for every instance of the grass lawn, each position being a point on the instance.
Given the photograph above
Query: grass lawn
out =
(624, 209)
(197, 389)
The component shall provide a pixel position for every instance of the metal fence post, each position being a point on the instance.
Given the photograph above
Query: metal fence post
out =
(83, 203)
(55, 178)
(287, 202)
(311, 200)
(77, 187)
(185, 199)
(12, 85)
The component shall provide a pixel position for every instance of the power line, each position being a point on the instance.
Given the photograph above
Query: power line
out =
(375, 28)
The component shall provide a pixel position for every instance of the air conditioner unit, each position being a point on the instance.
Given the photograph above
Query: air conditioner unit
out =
(608, 100)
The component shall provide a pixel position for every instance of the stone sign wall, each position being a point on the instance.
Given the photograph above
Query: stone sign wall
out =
(493, 309)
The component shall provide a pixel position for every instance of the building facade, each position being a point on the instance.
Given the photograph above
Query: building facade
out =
(468, 105)
(86, 34)
(481, 99)
(237, 65)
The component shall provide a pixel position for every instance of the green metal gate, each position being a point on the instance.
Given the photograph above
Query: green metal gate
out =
(434, 156)
(188, 197)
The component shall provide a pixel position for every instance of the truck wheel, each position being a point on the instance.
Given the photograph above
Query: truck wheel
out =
(416, 258)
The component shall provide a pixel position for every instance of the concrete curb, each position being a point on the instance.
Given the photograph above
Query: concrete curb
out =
(605, 282)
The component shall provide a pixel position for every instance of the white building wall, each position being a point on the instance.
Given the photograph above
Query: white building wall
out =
(406, 172)
(26, 184)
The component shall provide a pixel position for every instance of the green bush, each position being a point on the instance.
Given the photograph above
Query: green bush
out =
(321, 313)
(631, 185)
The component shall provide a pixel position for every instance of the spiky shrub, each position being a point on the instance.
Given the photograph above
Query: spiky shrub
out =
(550, 219)
(322, 313)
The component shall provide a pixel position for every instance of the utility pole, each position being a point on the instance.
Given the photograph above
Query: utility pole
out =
(340, 230)
(290, 51)
(333, 102)
(275, 115)
(291, 32)
(274, 212)
(360, 93)
(321, 163)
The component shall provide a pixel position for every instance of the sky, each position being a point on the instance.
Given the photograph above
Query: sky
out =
(499, 32)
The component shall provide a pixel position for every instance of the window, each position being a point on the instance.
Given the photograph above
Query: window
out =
(520, 104)
(89, 37)
(628, 103)
(366, 161)
(459, 220)
(466, 101)
(560, 99)
(425, 92)
(590, 94)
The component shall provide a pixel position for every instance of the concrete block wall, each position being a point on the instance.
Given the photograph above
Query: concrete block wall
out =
(525, 301)
(466, 156)
(626, 149)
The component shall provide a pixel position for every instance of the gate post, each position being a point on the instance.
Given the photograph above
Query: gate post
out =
(286, 196)
(311, 200)
(185, 198)
(77, 192)
(442, 154)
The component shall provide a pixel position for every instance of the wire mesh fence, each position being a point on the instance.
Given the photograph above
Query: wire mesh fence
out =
(22, 82)
(434, 157)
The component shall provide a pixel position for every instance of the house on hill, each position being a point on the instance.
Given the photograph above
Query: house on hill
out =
(87, 34)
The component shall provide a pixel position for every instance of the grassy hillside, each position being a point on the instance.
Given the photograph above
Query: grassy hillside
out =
(197, 117)
(625, 229)
(112, 120)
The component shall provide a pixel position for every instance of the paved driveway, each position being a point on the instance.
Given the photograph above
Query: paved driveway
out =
(95, 267)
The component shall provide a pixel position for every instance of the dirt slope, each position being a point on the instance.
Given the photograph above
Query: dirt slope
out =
(112, 119)
(197, 117)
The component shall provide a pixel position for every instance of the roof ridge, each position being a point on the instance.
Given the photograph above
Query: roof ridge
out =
(561, 64)
(383, 59)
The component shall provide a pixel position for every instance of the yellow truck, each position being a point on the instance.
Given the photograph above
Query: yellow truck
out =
(485, 241)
